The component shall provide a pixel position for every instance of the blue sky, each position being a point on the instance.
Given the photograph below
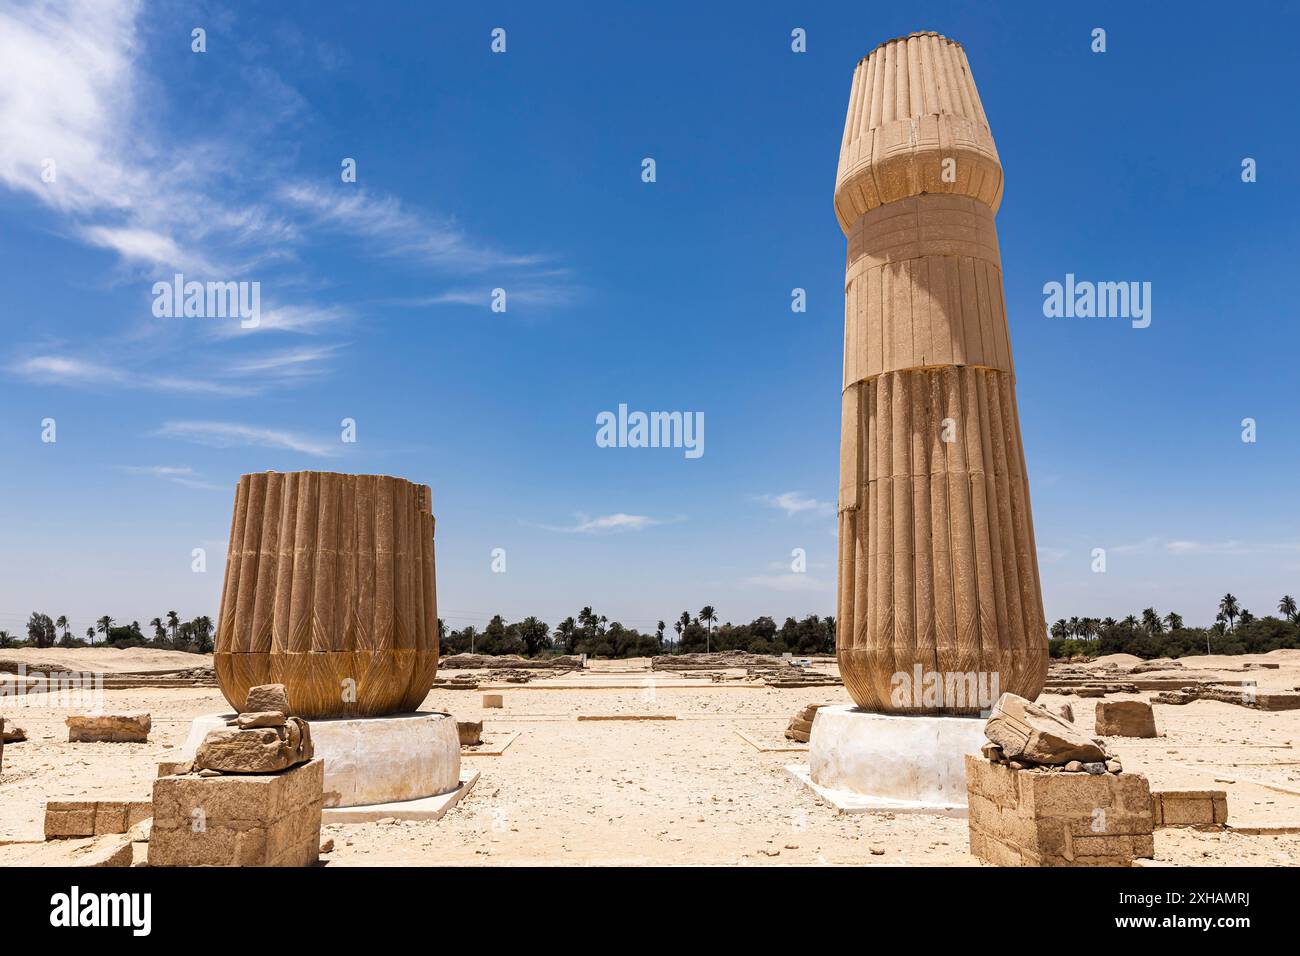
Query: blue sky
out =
(522, 171)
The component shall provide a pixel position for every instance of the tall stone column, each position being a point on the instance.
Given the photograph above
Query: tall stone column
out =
(938, 573)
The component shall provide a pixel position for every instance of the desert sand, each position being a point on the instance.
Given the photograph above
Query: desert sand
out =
(684, 791)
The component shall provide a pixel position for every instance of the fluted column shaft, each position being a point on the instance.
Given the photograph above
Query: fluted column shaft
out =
(330, 591)
(938, 574)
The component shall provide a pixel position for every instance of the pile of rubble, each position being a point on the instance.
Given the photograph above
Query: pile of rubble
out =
(799, 677)
(456, 682)
(266, 739)
(256, 788)
(1046, 794)
(1245, 695)
(492, 662)
(1027, 736)
(800, 728)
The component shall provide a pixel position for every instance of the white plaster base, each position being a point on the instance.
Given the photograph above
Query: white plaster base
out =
(372, 760)
(426, 808)
(892, 761)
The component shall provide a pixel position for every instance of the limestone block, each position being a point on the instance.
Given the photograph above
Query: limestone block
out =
(258, 750)
(330, 591)
(1029, 731)
(265, 718)
(1041, 818)
(66, 819)
(267, 698)
(238, 820)
(493, 700)
(1126, 718)
(1189, 808)
(117, 728)
(470, 731)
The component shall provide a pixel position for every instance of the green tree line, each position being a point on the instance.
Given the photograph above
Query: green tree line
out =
(595, 635)
(169, 632)
(1151, 634)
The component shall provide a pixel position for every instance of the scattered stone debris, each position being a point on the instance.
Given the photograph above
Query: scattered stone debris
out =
(1126, 718)
(456, 682)
(265, 738)
(721, 660)
(800, 677)
(800, 727)
(509, 662)
(1244, 695)
(104, 728)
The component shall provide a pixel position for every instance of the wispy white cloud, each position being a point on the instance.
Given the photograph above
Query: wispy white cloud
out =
(794, 502)
(71, 370)
(394, 230)
(606, 524)
(177, 474)
(230, 434)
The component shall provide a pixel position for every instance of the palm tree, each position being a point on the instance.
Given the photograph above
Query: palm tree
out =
(1174, 620)
(1130, 622)
(159, 633)
(90, 634)
(1151, 622)
(659, 633)
(678, 626)
(567, 629)
(5, 638)
(1061, 629)
(103, 624)
(708, 615)
(174, 622)
(1229, 608)
(1245, 617)
(62, 622)
(1287, 607)
(1073, 625)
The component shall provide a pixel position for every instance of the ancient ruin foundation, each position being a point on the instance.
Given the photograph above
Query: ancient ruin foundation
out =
(937, 565)
(329, 591)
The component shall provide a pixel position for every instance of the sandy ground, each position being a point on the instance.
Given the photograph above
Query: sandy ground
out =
(685, 791)
(109, 660)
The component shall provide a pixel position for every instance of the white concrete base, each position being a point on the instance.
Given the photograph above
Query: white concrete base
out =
(426, 808)
(372, 760)
(846, 802)
(894, 760)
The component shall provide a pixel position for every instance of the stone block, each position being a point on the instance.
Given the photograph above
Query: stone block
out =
(238, 820)
(1126, 718)
(267, 698)
(493, 700)
(1189, 808)
(470, 731)
(1050, 818)
(257, 750)
(69, 819)
(115, 728)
